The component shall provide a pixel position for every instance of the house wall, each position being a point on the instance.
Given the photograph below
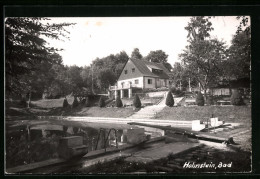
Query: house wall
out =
(162, 83)
(146, 85)
(220, 91)
(129, 66)
(127, 81)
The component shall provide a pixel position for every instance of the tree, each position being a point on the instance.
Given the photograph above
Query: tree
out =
(169, 99)
(136, 54)
(65, 103)
(203, 57)
(236, 98)
(75, 102)
(87, 103)
(119, 103)
(101, 102)
(239, 56)
(158, 56)
(26, 50)
(74, 79)
(198, 28)
(180, 76)
(105, 78)
(199, 99)
(137, 102)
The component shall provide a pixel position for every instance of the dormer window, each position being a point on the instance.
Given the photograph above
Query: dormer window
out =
(125, 71)
(133, 70)
(154, 69)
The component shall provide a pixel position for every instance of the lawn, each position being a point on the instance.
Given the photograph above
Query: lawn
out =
(53, 107)
(51, 103)
(104, 112)
(241, 114)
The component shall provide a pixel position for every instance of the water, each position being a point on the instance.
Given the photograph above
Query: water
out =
(29, 141)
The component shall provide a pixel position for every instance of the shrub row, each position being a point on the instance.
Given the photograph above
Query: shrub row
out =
(76, 103)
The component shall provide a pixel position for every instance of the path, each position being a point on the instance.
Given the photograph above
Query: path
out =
(150, 112)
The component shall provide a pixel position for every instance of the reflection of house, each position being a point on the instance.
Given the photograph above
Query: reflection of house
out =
(140, 74)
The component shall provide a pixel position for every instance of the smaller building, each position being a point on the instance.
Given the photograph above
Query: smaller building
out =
(140, 74)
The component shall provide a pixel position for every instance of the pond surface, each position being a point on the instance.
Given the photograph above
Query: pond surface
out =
(29, 141)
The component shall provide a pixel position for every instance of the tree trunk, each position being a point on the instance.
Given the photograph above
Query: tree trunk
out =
(205, 95)
(29, 99)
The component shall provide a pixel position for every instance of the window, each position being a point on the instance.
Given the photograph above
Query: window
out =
(133, 70)
(136, 81)
(125, 71)
(149, 81)
(122, 84)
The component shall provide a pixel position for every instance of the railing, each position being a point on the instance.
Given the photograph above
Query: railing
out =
(125, 86)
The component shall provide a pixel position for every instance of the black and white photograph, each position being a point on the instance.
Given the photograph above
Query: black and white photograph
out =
(128, 95)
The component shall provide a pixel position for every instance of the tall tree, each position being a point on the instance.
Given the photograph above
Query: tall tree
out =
(203, 56)
(26, 48)
(136, 54)
(240, 51)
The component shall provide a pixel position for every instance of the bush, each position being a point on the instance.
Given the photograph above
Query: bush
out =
(65, 103)
(83, 101)
(23, 102)
(75, 102)
(210, 100)
(169, 99)
(236, 99)
(119, 103)
(137, 102)
(87, 103)
(173, 90)
(101, 102)
(200, 99)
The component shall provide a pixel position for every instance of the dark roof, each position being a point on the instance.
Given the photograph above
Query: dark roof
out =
(142, 66)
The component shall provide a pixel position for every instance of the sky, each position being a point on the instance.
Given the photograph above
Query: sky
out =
(98, 37)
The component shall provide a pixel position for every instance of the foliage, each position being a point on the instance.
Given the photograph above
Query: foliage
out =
(87, 103)
(200, 99)
(105, 78)
(199, 28)
(75, 103)
(210, 100)
(101, 102)
(137, 102)
(119, 103)
(83, 101)
(65, 103)
(158, 56)
(236, 98)
(173, 90)
(27, 56)
(169, 99)
(239, 57)
(105, 71)
(136, 54)
(23, 102)
(203, 56)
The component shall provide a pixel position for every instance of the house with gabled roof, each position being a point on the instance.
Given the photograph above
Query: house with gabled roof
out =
(140, 74)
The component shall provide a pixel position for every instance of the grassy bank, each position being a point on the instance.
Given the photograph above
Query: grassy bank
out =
(226, 113)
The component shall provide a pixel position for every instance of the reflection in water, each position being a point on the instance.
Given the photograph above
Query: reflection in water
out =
(33, 143)
(38, 142)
